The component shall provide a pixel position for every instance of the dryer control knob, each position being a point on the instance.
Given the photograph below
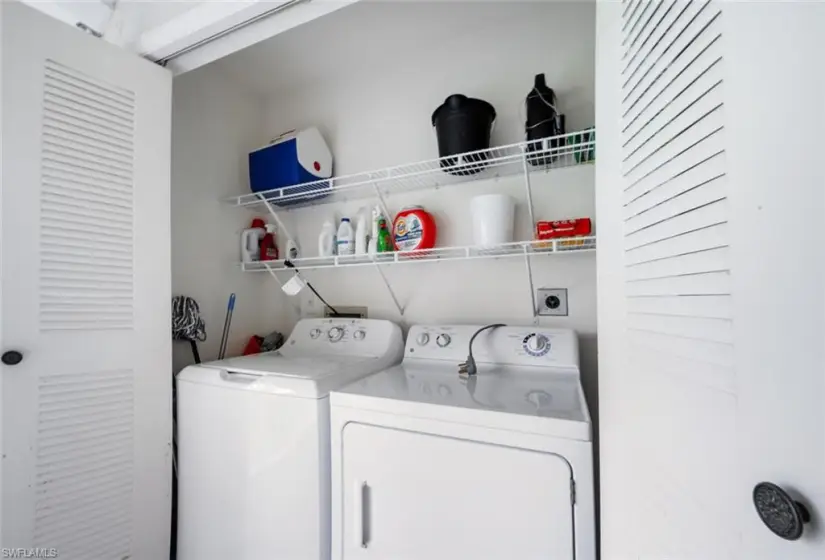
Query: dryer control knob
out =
(315, 333)
(443, 340)
(359, 335)
(536, 344)
(423, 339)
(335, 334)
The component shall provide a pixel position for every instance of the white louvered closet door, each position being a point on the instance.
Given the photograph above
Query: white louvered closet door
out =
(85, 418)
(711, 275)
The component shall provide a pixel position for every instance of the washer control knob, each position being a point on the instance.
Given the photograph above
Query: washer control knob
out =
(536, 344)
(423, 339)
(314, 333)
(335, 334)
(443, 340)
(359, 335)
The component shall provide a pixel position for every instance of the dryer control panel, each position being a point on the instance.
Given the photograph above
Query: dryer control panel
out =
(529, 346)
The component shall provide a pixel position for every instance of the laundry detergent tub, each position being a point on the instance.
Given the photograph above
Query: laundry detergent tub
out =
(295, 167)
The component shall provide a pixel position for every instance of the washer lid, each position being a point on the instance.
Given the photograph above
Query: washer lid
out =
(545, 401)
(273, 372)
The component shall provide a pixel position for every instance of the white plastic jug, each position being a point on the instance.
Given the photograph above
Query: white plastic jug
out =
(361, 234)
(251, 244)
(326, 240)
(345, 240)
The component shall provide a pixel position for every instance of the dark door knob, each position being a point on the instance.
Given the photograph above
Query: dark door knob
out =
(779, 512)
(12, 358)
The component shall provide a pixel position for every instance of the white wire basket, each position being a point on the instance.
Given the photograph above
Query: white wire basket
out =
(543, 155)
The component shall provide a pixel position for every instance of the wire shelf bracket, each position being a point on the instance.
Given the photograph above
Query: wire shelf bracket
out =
(398, 306)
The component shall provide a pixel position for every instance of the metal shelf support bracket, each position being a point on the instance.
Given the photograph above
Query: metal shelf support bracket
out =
(529, 266)
(389, 289)
(282, 229)
(382, 203)
(295, 305)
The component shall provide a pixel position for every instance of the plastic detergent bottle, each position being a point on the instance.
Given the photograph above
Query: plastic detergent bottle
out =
(269, 245)
(372, 244)
(292, 251)
(384, 244)
(326, 241)
(251, 241)
(346, 238)
(361, 235)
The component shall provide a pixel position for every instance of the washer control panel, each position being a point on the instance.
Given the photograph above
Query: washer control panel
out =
(515, 345)
(345, 336)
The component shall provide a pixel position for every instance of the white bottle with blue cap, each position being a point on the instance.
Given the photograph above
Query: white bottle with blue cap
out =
(346, 238)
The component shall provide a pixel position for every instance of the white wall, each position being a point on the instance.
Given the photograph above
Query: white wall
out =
(376, 112)
(214, 125)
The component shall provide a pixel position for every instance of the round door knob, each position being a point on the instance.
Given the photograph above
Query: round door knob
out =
(12, 358)
(780, 513)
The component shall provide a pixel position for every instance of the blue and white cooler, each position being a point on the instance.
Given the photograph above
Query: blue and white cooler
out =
(296, 165)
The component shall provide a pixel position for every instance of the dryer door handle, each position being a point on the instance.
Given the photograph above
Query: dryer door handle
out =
(360, 525)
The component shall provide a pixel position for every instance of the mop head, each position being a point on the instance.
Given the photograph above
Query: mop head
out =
(186, 320)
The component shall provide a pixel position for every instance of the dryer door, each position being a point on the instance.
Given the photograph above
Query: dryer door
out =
(409, 496)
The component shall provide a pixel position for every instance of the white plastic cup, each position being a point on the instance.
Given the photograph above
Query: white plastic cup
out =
(493, 219)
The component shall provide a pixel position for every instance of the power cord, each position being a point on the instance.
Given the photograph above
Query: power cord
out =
(468, 368)
(335, 313)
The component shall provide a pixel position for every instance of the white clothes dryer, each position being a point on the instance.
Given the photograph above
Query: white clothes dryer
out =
(497, 466)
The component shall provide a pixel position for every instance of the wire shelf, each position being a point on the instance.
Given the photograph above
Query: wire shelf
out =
(565, 150)
(440, 254)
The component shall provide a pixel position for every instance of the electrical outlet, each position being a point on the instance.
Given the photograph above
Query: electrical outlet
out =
(552, 301)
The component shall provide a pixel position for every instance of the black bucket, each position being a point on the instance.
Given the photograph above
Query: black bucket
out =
(463, 124)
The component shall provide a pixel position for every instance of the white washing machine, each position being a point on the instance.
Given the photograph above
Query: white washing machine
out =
(494, 467)
(253, 441)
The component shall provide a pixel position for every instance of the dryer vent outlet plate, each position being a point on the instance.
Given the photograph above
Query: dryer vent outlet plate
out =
(552, 301)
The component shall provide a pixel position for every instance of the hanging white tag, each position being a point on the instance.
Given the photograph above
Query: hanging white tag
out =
(294, 286)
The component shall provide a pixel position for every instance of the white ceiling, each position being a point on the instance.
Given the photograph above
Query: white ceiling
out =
(372, 36)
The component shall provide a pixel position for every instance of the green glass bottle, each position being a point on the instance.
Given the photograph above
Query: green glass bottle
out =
(384, 244)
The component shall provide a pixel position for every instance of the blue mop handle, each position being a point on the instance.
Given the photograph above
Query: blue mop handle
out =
(230, 307)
